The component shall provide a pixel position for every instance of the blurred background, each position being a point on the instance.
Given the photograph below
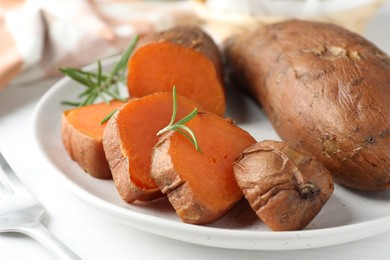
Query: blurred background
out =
(38, 36)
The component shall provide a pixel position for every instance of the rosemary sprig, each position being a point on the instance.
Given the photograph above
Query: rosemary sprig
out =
(100, 84)
(179, 125)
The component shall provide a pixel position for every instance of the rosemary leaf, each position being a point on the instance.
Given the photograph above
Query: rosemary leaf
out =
(86, 92)
(90, 82)
(85, 73)
(70, 103)
(89, 100)
(174, 110)
(188, 117)
(99, 73)
(114, 95)
(75, 70)
(107, 117)
(121, 64)
(181, 131)
(189, 134)
(116, 89)
(75, 76)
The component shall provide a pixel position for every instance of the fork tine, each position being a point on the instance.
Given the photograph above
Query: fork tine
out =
(10, 179)
(3, 190)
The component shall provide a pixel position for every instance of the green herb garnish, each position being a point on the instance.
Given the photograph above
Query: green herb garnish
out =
(107, 117)
(179, 125)
(100, 84)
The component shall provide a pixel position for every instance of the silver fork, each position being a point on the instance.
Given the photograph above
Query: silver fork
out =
(20, 212)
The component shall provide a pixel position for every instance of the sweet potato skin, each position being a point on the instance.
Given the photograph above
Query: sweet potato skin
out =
(82, 133)
(177, 190)
(86, 151)
(119, 165)
(286, 188)
(187, 36)
(325, 90)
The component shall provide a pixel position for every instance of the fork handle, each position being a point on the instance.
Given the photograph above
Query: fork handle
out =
(40, 233)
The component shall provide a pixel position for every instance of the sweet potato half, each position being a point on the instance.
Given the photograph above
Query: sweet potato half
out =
(82, 135)
(326, 90)
(286, 188)
(200, 186)
(184, 56)
(129, 138)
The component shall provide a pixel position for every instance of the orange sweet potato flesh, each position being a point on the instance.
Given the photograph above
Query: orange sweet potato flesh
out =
(183, 56)
(129, 138)
(82, 136)
(200, 186)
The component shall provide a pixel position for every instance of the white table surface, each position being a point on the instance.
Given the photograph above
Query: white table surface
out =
(92, 234)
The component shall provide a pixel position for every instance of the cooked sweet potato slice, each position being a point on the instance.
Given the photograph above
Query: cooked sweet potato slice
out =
(200, 186)
(82, 135)
(129, 138)
(183, 56)
(285, 188)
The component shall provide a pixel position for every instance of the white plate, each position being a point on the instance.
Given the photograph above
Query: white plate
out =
(347, 216)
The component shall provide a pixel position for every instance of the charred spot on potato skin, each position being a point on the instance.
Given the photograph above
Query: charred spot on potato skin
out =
(278, 57)
(310, 76)
(383, 57)
(329, 147)
(356, 152)
(384, 133)
(370, 140)
(230, 120)
(284, 218)
(356, 81)
(309, 190)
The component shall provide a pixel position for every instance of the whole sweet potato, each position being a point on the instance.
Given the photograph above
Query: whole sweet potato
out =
(325, 90)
